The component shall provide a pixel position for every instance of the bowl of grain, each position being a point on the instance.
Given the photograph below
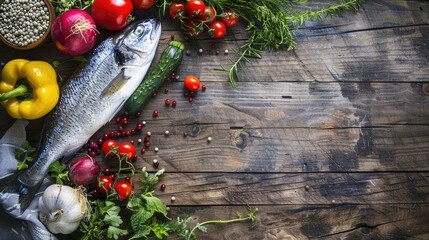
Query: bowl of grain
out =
(25, 24)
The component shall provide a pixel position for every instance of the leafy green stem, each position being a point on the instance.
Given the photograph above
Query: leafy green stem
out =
(250, 217)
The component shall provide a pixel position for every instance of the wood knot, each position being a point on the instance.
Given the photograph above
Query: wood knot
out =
(425, 88)
(194, 129)
(240, 139)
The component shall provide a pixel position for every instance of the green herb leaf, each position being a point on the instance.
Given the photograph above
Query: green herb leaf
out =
(139, 219)
(154, 204)
(114, 232)
(59, 172)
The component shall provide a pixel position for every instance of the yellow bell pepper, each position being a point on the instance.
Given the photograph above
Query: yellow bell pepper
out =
(19, 101)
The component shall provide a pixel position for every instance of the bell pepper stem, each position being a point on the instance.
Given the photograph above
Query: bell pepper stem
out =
(21, 90)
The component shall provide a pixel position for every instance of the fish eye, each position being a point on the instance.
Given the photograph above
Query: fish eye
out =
(139, 30)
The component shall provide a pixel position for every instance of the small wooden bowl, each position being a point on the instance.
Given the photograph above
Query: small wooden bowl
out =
(40, 40)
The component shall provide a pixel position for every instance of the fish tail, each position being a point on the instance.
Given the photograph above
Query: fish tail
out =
(11, 184)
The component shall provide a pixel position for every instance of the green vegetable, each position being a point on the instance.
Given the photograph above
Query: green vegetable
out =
(168, 62)
(59, 172)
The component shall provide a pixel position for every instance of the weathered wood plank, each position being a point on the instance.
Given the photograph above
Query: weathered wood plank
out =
(290, 222)
(294, 188)
(399, 148)
(282, 127)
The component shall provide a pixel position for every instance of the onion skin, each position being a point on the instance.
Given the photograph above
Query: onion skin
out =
(83, 170)
(74, 32)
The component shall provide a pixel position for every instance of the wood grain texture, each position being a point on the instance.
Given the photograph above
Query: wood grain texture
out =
(291, 222)
(329, 141)
(290, 188)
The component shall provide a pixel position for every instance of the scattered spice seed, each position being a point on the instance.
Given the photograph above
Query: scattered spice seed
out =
(173, 199)
(155, 113)
(200, 51)
(174, 103)
(177, 77)
(118, 119)
(167, 102)
(226, 51)
(163, 187)
(156, 149)
(147, 144)
(203, 87)
(333, 201)
(172, 37)
(209, 139)
(188, 52)
(154, 94)
(144, 123)
(185, 134)
(190, 99)
(307, 187)
(139, 140)
(148, 133)
(167, 132)
(143, 150)
(155, 163)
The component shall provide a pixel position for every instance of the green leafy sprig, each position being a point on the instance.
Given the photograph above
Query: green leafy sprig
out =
(64, 5)
(59, 172)
(26, 153)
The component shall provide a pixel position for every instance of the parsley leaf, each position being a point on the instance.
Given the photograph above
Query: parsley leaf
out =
(59, 172)
(114, 232)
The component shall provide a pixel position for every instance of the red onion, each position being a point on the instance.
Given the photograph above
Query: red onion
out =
(83, 170)
(74, 32)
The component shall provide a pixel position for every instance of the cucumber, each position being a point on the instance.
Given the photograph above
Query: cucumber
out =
(168, 62)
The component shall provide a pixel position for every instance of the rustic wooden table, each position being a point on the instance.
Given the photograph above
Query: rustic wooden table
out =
(330, 141)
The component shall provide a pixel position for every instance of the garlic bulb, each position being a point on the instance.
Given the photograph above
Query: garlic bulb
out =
(61, 208)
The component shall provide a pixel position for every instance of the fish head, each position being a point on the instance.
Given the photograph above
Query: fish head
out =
(140, 37)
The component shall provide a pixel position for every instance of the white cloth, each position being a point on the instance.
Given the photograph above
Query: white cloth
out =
(13, 223)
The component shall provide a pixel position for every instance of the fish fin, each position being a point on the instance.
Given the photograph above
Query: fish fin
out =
(11, 184)
(115, 84)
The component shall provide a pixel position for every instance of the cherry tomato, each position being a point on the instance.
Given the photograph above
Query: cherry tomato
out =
(104, 184)
(193, 27)
(128, 149)
(192, 83)
(177, 9)
(111, 15)
(209, 15)
(124, 189)
(195, 8)
(229, 18)
(143, 4)
(107, 146)
(218, 29)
